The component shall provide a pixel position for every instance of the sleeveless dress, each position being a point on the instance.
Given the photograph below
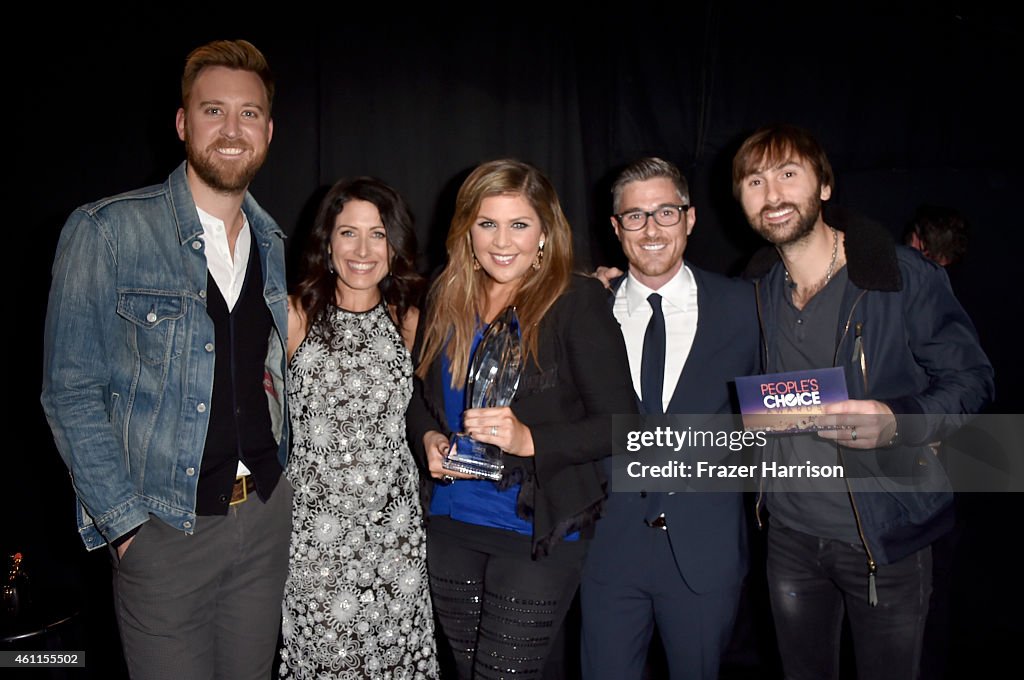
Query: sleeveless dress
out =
(356, 602)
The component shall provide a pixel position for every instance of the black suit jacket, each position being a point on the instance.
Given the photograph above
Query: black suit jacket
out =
(567, 397)
(707, 529)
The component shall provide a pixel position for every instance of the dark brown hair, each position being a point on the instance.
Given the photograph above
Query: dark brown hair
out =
(773, 145)
(403, 285)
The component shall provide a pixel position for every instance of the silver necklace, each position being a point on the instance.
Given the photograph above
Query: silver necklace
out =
(831, 265)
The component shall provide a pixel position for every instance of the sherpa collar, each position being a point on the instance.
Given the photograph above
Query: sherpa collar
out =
(870, 252)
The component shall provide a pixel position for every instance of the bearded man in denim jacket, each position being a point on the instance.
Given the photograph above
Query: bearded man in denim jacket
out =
(163, 386)
(841, 293)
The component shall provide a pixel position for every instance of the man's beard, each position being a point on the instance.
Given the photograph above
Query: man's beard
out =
(228, 178)
(801, 223)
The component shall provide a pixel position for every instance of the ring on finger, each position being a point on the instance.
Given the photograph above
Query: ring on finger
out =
(853, 434)
(494, 430)
(447, 478)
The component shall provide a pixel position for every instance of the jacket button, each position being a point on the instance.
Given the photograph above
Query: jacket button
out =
(151, 317)
(201, 408)
(223, 498)
(197, 245)
(186, 524)
(202, 294)
(190, 471)
(208, 347)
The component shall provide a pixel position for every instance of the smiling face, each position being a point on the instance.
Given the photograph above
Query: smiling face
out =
(783, 203)
(360, 254)
(505, 237)
(655, 253)
(226, 129)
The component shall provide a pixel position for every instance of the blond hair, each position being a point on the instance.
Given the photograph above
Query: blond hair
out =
(455, 302)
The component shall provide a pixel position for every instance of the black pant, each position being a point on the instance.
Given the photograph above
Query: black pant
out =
(500, 609)
(813, 581)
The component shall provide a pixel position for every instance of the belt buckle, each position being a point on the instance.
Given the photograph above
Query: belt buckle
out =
(244, 481)
(657, 523)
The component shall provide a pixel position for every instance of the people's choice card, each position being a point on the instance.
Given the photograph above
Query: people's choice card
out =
(792, 401)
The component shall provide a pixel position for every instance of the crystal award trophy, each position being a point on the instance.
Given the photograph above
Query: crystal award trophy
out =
(492, 381)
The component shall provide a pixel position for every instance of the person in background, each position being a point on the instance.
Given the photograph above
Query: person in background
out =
(939, 233)
(505, 557)
(163, 384)
(356, 598)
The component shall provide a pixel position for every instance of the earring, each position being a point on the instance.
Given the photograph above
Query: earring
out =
(476, 262)
(330, 262)
(540, 256)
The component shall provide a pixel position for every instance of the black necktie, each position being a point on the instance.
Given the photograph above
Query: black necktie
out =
(652, 365)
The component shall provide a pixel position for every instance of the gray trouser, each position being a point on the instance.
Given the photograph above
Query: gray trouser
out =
(206, 606)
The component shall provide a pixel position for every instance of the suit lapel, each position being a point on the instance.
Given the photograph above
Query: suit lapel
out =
(703, 344)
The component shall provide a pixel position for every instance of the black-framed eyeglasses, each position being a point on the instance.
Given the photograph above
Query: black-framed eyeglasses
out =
(664, 216)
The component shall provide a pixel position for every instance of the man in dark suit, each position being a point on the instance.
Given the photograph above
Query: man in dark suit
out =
(675, 560)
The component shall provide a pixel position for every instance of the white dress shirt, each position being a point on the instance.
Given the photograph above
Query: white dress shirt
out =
(227, 269)
(679, 305)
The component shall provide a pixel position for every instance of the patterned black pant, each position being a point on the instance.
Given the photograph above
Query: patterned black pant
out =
(499, 609)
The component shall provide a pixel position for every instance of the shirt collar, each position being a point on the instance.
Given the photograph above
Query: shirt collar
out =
(215, 225)
(677, 291)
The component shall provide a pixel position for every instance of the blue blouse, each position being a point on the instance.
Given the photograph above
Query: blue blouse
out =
(476, 501)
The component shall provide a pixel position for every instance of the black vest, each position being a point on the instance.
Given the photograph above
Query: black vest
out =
(239, 412)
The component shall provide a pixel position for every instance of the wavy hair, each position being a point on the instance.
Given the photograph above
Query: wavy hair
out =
(401, 288)
(456, 298)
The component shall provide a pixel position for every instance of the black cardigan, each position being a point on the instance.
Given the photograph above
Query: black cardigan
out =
(567, 396)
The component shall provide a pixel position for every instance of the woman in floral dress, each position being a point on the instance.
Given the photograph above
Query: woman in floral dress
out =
(356, 603)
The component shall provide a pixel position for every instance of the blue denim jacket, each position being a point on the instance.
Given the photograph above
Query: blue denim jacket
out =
(129, 354)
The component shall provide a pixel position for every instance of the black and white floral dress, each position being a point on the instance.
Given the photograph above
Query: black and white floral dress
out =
(356, 603)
